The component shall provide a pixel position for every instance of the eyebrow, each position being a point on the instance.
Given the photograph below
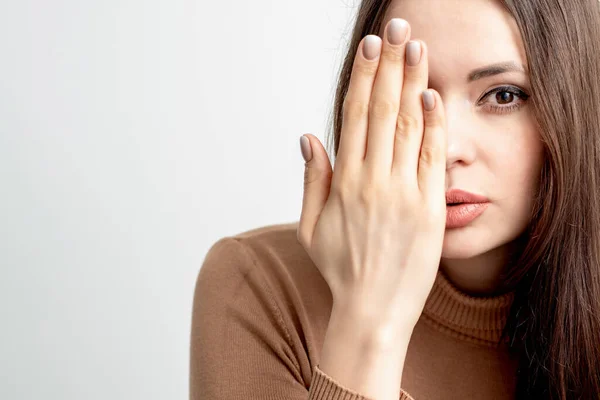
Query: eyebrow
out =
(495, 69)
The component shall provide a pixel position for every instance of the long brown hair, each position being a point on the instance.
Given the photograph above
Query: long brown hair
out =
(554, 323)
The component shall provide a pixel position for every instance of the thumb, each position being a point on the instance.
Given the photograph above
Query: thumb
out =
(317, 183)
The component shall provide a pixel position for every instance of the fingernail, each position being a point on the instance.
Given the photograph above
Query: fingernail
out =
(397, 30)
(428, 100)
(305, 148)
(413, 52)
(371, 47)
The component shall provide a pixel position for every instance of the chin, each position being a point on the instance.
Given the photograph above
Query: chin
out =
(457, 244)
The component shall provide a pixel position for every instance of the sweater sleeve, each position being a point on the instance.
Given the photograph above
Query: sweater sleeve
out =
(240, 347)
(323, 384)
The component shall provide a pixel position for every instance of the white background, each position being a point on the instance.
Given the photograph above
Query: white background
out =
(133, 135)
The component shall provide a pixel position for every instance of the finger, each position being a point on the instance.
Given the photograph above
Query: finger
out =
(409, 126)
(317, 182)
(432, 158)
(385, 99)
(353, 138)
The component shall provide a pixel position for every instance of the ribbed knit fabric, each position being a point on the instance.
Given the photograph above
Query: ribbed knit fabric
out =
(261, 310)
(325, 387)
(473, 319)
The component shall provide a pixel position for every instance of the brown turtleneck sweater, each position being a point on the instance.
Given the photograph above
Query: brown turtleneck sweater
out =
(261, 310)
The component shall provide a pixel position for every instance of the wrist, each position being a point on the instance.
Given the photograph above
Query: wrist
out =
(370, 328)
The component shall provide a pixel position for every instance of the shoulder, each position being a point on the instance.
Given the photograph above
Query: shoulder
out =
(268, 259)
(246, 252)
(262, 281)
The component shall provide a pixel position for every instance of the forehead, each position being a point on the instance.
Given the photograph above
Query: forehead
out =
(460, 34)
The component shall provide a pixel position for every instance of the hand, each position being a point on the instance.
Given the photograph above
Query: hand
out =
(375, 226)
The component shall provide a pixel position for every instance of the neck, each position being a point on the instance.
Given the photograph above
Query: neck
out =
(481, 276)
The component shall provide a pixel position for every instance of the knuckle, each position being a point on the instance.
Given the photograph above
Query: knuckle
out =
(406, 123)
(341, 187)
(365, 194)
(369, 69)
(431, 155)
(382, 108)
(355, 109)
(372, 193)
(393, 54)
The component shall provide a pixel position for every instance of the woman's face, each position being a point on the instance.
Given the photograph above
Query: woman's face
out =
(493, 148)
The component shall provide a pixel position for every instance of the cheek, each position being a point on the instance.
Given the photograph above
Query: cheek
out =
(517, 156)
(517, 162)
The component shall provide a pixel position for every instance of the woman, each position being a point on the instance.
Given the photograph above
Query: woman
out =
(384, 289)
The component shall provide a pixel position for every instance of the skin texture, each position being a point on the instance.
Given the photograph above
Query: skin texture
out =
(498, 155)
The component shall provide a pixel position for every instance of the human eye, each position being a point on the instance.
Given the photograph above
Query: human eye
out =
(506, 95)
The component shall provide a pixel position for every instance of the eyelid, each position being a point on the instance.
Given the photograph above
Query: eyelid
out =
(507, 88)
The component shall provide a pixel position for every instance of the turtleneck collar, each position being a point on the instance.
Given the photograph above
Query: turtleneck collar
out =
(474, 319)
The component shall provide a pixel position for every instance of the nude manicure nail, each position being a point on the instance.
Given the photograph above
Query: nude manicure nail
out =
(305, 148)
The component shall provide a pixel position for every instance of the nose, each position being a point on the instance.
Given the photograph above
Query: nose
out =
(459, 139)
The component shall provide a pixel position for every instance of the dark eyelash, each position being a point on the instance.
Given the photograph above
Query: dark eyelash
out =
(510, 89)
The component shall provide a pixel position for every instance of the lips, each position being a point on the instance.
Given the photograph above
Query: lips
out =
(458, 196)
(462, 215)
